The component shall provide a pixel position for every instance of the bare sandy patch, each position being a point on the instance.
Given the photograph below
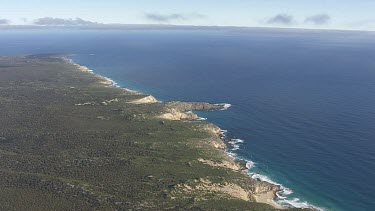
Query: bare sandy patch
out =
(145, 100)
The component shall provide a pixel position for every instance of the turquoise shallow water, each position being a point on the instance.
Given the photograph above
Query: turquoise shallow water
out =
(303, 101)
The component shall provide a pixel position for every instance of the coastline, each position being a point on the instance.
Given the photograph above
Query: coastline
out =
(268, 197)
(273, 138)
(260, 196)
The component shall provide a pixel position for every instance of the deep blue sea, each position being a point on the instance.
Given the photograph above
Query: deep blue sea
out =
(303, 102)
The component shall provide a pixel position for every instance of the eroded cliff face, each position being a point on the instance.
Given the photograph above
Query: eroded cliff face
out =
(203, 187)
(260, 187)
(264, 192)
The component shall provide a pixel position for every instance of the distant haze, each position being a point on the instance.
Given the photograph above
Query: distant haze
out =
(318, 14)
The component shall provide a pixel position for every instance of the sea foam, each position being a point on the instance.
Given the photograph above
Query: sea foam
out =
(201, 119)
(283, 196)
(225, 106)
(235, 143)
(113, 83)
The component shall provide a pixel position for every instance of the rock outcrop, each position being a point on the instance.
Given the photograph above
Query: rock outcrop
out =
(264, 192)
(260, 187)
(182, 110)
(194, 106)
(173, 114)
(207, 187)
(229, 164)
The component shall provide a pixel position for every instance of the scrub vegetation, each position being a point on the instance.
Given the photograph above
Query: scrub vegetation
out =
(70, 142)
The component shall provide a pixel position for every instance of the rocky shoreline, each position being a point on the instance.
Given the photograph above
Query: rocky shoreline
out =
(258, 191)
(261, 191)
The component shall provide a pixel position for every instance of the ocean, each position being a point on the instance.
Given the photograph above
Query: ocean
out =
(303, 102)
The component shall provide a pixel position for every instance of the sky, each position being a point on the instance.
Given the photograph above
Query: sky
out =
(321, 14)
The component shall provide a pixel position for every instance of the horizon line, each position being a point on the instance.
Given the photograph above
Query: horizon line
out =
(121, 26)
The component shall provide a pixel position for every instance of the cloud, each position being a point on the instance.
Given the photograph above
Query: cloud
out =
(319, 19)
(49, 21)
(283, 19)
(4, 21)
(172, 17)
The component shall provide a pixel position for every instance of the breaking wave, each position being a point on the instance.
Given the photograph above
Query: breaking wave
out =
(283, 196)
